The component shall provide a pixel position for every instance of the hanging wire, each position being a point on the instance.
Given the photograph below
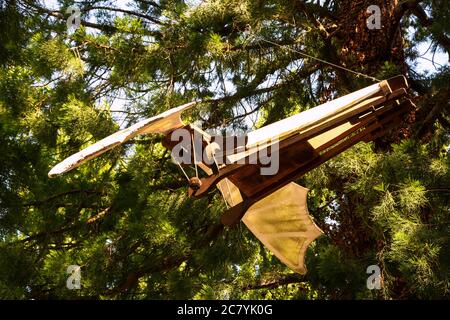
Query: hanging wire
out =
(176, 162)
(195, 155)
(320, 60)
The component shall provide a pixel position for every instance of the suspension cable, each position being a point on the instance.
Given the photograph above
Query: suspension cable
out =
(178, 163)
(320, 60)
(195, 156)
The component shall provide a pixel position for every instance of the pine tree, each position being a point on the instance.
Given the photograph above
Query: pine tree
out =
(125, 217)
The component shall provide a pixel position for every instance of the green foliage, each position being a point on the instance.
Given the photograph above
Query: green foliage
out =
(125, 217)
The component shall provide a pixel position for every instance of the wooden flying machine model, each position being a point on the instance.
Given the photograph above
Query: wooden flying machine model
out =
(273, 207)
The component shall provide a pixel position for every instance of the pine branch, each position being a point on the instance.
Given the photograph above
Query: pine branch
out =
(131, 279)
(426, 22)
(47, 234)
(62, 194)
(102, 27)
(437, 103)
(272, 284)
(133, 13)
(168, 263)
(60, 16)
(150, 3)
(413, 6)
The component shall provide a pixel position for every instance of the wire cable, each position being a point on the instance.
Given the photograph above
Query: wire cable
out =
(321, 60)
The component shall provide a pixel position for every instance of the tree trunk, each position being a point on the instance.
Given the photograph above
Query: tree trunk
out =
(368, 49)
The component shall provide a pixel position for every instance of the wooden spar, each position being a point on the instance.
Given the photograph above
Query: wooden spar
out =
(296, 123)
(286, 127)
(328, 124)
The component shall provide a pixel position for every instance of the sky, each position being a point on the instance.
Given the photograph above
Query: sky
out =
(425, 62)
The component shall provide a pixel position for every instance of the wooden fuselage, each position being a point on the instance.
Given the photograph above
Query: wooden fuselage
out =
(303, 142)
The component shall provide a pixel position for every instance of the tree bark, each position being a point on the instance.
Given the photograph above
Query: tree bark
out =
(368, 49)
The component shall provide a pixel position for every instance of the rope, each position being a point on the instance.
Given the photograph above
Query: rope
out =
(321, 60)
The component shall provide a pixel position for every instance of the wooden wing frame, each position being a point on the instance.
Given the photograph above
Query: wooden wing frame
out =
(162, 123)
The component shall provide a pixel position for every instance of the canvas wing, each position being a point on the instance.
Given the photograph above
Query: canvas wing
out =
(282, 223)
(161, 123)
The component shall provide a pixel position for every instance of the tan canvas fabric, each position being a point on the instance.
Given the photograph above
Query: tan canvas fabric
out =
(282, 223)
(230, 192)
